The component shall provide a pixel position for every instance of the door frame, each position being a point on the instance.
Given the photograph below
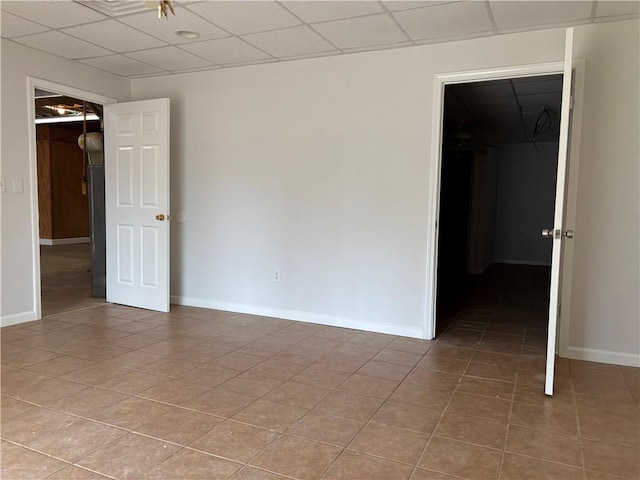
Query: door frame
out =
(32, 84)
(440, 81)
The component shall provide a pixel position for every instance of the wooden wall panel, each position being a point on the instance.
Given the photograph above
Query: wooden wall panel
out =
(70, 207)
(63, 209)
(44, 186)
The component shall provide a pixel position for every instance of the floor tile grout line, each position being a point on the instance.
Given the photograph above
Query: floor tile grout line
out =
(579, 433)
(444, 411)
(352, 373)
(170, 404)
(510, 409)
(135, 432)
(68, 462)
(544, 460)
(377, 410)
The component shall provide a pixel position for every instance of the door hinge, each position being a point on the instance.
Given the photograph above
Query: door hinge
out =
(571, 102)
(559, 309)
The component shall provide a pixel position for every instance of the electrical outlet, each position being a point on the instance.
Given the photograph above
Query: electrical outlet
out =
(276, 275)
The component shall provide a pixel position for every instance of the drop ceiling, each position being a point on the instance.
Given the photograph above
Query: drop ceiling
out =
(504, 111)
(127, 39)
(51, 106)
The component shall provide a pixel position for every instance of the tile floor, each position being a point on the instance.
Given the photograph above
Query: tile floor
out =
(122, 393)
(65, 278)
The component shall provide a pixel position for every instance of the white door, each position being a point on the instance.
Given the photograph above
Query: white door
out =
(558, 233)
(137, 203)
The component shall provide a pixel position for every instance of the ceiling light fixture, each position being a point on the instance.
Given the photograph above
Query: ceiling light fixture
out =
(163, 6)
(187, 34)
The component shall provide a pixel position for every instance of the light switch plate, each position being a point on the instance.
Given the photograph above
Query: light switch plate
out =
(18, 185)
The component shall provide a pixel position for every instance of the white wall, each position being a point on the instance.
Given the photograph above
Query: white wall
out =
(525, 203)
(318, 168)
(605, 299)
(483, 211)
(18, 62)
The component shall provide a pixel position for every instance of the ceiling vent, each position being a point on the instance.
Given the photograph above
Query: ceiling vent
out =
(115, 8)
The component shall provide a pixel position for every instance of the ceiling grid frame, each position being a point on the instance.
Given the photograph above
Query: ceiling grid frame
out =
(30, 20)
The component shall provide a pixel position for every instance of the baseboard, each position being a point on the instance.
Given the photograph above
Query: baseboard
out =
(523, 262)
(300, 316)
(64, 241)
(16, 318)
(602, 356)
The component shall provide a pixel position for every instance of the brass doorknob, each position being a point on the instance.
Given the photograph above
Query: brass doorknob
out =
(160, 217)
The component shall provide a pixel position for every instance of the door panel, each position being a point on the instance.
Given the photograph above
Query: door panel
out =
(558, 232)
(137, 203)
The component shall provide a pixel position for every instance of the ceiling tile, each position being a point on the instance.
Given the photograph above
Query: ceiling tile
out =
(290, 42)
(114, 36)
(313, 55)
(169, 58)
(311, 12)
(53, 14)
(245, 16)
(455, 38)
(121, 65)
(63, 45)
(535, 110)
(362, 32)
(493, 88)
(497, 111)
(13, 26)
(444, 21)
(488, 103)
(226, 51)
(502, 135)
(184, 20)
(540, 99)
(510, 14)
(372, 48)
(616, 8)
(531, 87)
(398, 5)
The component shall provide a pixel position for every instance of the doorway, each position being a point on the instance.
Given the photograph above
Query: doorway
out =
(61, 232)
(497, 193)
(69, 202)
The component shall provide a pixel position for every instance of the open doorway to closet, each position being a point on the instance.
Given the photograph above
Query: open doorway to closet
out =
(70, 182)
(497, 193)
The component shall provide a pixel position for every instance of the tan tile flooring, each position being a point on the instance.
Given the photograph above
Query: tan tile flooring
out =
(115, 392)
(65, 279)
